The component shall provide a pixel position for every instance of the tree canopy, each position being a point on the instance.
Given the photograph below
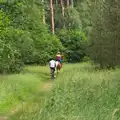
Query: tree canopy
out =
(32, 31)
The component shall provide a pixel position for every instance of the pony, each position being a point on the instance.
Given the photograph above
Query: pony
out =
(58, 66)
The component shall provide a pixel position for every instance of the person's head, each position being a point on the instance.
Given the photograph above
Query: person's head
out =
(51, 58)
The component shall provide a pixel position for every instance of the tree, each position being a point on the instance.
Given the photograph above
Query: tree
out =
(10, 58)
(52, 16)
(43, 13)
(62, 6)
(88, 10)
(68, 3)
(72, 3)
(24, 39)
(104, 37)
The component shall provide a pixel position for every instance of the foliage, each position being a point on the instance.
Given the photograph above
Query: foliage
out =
(10, 58)
(29, 41)
(86, 9)
(86, 59)
(42, 42)
(24, 38)
(104, 37)
(32, 41)
(72, 19)
(75, 43)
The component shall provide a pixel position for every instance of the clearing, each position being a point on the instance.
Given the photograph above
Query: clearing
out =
(80, 92)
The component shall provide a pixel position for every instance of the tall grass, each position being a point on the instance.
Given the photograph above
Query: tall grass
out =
(82, 93)
(18, 88)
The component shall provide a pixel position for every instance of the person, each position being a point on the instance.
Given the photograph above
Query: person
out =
(59, 58)
(52, 65)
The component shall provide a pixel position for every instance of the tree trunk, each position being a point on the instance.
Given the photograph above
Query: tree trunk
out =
(52, 16)
(72, 3)
(43, 13)
(56, 2)
(63, 9)
(68, 3)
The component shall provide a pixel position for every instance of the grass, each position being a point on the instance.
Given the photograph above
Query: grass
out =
(81, 93)
(18, 88)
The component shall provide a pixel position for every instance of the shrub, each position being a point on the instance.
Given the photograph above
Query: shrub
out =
(86, 59)
(10, 57)
(75, 43)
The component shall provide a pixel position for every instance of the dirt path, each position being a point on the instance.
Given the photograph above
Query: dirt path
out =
(3, 118)
(43, 87)
(46, 86)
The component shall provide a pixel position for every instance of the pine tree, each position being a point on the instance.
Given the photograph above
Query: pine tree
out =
(105, 37)
(52, 16)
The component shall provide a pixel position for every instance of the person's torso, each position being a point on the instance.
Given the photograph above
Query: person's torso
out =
(52, 63)
(58, 57)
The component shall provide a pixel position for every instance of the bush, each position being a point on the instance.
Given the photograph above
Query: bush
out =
(75, 43)
(86, 59)
(10, 57)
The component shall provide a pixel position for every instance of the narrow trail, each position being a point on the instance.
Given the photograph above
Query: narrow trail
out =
(45, 87)
(33, 100)
(4, 118)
